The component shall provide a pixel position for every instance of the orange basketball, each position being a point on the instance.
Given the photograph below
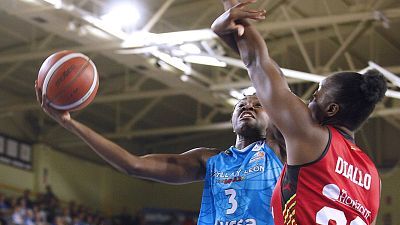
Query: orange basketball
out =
(69, 80)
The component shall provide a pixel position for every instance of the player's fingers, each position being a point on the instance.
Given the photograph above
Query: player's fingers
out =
(239, 14)
(38, 92)
(45, 102)
(245, 3)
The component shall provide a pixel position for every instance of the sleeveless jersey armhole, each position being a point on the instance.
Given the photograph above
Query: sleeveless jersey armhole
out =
(289, 181)
(328, 144)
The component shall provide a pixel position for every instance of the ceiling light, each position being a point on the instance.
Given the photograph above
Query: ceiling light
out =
(184, 78)
(123, 16)
(236, 94)
(204, 60)
(232, 101)
(140, 39)
(249, 91)
(190, 48)
(106, 27)
(173, 61)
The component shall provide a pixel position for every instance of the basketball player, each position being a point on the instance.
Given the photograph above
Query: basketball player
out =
(328, 179)
(235, 179)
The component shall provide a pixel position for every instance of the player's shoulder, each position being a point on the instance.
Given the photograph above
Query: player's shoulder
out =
(204, 152)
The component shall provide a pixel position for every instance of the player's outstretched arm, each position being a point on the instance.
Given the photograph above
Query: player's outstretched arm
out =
(287, 111)
(167, 168)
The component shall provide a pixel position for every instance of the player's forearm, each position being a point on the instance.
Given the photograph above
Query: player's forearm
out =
(252, 47)
(166, 168)
(109, 151)
(229, 39)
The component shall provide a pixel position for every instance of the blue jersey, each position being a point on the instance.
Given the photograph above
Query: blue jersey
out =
(238, 186)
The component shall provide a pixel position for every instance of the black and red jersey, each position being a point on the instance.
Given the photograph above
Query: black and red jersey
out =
(342, 187)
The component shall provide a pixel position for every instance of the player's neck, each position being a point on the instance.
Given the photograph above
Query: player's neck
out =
(242, 142)
(345, 130)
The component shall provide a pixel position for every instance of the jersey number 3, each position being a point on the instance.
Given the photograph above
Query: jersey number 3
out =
(231, 193)
(327, 214)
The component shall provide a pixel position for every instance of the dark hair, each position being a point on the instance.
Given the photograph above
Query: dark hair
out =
(356, 96)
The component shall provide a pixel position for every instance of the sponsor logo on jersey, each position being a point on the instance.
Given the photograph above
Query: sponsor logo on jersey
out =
(237, 222)
(223, 174)
(333, 192)
(231, 180)
(353, 173)
(257, 156)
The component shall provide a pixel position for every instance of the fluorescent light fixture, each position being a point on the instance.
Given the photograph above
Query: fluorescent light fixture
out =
(141, 39)
(142, 50)
(236, 94)
(173, 61)
(393, 94)
(204, 60)
(178, 52)
(302, 75)
(232, 101)
(56, 3)
(181, 37)
(190, 48)
(249, 91)
(390, 76)
(123, 16)
(106, 27)
(71, 26)
(185, 78)
(82, 31)
(31, 1)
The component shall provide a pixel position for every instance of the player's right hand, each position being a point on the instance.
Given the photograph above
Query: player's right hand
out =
(234, 19)
(62, 117)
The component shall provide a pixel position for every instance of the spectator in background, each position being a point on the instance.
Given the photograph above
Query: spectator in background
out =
(59, 221)
(66, 215)
(4, 205)
(29, 218)
(48, 197)
(39, 215)
(124, 218)
(17, 217)
(27, 198)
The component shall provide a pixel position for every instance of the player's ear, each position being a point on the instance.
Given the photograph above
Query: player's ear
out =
(332, 109)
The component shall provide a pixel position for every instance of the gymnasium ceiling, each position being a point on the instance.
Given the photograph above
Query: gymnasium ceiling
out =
(147, 106)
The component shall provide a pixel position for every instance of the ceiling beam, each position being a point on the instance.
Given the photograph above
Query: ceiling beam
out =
(196, 128)
(322, 21)
(161, 131)
(100, 99)
(157, 16)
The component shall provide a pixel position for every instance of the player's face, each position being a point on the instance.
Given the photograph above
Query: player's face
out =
(319, 102)
(249, 118)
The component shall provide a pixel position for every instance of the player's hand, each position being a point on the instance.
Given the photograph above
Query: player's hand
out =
(62, 117)
(233, 20)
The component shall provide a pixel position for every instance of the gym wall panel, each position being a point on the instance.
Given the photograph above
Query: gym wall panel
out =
(104, 188)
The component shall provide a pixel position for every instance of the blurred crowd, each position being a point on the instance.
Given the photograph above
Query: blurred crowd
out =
(46, 209)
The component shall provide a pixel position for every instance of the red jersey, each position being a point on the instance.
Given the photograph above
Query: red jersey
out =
(342, 186)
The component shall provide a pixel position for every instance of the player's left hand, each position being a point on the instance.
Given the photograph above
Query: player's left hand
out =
(233, 20)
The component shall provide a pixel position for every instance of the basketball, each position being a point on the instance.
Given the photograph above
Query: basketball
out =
(69, 80)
